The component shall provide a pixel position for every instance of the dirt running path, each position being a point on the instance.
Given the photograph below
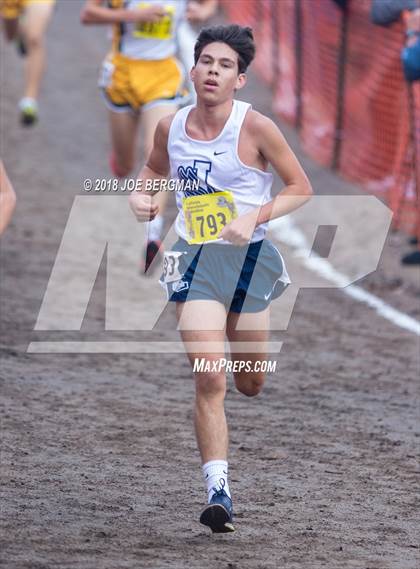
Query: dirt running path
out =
(99, 462)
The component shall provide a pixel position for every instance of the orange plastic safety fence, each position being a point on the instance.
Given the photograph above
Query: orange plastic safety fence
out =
(338, 78)
(319, 82)
(376, 126)
(285, 101)
(257, 14)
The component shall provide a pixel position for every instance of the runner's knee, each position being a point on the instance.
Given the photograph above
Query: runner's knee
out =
(250, 384)
(124, 166)
(33, 41)
(210, 384)
(124, 170)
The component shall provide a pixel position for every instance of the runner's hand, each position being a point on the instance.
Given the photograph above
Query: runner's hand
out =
(142, 206)
(197, 13)
(149, 14)
(240, 230)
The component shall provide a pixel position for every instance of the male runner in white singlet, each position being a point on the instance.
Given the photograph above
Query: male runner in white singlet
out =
(222, 271)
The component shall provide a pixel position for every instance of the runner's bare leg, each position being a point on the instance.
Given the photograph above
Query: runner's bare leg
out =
(123, 136)
(149, 119)
(210, 420)
(256, 330)
(36, 20)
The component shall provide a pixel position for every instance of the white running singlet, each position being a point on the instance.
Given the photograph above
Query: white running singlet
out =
(216, 164)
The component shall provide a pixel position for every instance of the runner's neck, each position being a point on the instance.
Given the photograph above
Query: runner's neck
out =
(208, 121)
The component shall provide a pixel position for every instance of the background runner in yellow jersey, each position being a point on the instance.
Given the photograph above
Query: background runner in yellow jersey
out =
(141, 76)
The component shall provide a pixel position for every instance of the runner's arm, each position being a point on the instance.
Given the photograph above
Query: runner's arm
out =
(273, 147)
(156, 168)
(94, 12)
(298, 190)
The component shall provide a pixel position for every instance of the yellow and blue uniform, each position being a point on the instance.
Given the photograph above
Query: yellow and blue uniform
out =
(142, 71)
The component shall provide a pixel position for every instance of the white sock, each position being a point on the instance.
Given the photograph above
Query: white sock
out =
(154, 228)
(28, 102)
(216, 476)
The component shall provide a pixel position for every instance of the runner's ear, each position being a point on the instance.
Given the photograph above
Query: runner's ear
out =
(240, 81)
(192, 73)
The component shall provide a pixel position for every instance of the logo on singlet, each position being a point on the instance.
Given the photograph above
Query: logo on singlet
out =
(199, 171)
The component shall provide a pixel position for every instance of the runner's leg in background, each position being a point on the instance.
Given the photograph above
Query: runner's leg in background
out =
(123, 135)
(186, 40)
(150, 118)
(34, 26)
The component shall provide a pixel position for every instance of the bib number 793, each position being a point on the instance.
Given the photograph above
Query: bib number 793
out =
(206, 215)
(211, 224)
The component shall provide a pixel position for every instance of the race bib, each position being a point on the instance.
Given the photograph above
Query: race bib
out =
(171, 266)
(206, 215)
(160, 30)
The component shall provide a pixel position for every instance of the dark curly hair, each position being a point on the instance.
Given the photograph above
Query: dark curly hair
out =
(240, 39)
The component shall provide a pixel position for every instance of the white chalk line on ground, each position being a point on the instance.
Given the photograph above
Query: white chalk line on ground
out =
(287, 232)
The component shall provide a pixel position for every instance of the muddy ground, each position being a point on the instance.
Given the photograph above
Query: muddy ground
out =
(99, 463)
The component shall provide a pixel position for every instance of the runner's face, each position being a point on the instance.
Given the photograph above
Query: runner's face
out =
(215, 76)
